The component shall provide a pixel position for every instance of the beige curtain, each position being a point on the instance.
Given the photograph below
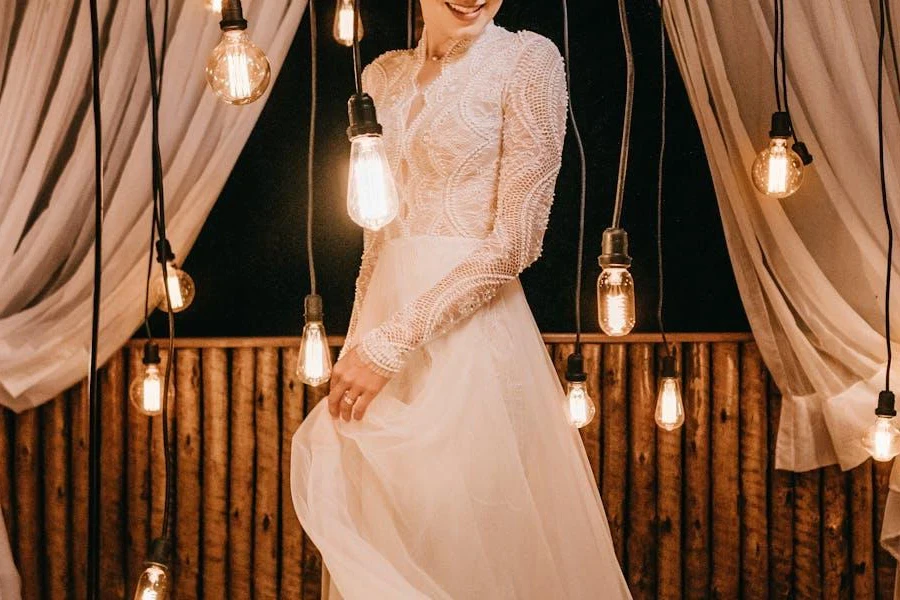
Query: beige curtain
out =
(810, 268)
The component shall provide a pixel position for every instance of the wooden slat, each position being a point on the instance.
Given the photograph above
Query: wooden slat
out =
(590, 433)
(696, 472)
(157, 452)
(669, 509)
(268, 456)
(29, 516)
(754, 475)
(189, 493)
(885, 565)
(312, 558)
(78, 417)
(112, 486)
(216, 409)
(7, 488)
(726, 549)
(837, 581)
(781, 514)
(241, 465)
(137, 475)
(291, 533)
(862, 549)
(807, 535)
(615, 443)
(642, 483)
(55, 420)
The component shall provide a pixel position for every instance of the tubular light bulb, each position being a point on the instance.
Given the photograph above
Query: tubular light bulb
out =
(372, 200)
(343, 23)
(237, 70)
(669, 407)
(581, 408)
(615, 301)
(180, 286)
(882, 440)
(153, 584)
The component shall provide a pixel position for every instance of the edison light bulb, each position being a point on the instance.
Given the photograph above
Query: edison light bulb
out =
(314, 359)
(146, 392)
(214, 6)
(882, 440)
(237, 70)
(153, 584)
(372, 199)
(343, 23)
(777, 170)
(669, 408)
(180, 286)
(580, 405)
(615, 301)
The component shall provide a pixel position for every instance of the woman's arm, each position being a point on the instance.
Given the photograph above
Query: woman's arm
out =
(372, 241)
(534, 118)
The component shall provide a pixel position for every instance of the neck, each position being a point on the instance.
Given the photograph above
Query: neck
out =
(437, 44)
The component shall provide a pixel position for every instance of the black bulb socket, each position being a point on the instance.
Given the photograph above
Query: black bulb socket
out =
(363, 119)
(886, 405)
(668, 367)
(164, 251)
(614, 249)
(160, 551)
(232, 16)
(151, 354)
(312, 308)
(575, 368)
(803, 152)
(781, 125)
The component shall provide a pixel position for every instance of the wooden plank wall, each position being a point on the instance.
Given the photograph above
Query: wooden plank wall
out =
(695, 513)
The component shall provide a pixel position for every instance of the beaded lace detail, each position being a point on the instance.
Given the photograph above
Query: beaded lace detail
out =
(478, 159)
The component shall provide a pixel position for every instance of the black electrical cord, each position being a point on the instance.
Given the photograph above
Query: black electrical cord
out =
(629, 107)
(410, 23)
(659, 176)
(884, 197)
(95, 417)
(310, 159)
(583, 180)
(159, 195)
(357, 67)
(775, 46)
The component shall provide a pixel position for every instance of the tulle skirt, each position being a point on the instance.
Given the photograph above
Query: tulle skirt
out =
(464, 479)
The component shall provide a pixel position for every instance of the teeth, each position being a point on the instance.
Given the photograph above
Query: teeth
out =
(466, 10)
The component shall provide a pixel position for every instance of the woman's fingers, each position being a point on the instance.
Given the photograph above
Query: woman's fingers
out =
(338, 387)
(362, 404)
(348, 401)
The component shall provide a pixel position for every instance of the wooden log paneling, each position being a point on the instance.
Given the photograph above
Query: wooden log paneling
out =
(614, 488)
(726, 548)
(700, 512)
(189, 495)
(696, 472)
(291, 533)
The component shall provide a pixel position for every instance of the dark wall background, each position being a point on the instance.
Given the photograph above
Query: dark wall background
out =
(249, 262)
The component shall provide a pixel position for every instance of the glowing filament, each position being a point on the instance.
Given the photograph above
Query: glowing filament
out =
(238, 65)
(314, 364)
(372, 200)
(580, 406)
(778, 167)
(152, 388)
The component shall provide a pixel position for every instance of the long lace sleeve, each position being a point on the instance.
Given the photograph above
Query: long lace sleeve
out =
(534, 116)
(371, 245)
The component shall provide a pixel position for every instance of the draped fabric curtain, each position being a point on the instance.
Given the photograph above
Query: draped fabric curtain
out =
(811, 267)
(47, 175)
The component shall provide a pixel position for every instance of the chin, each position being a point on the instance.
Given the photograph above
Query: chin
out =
(466, 18)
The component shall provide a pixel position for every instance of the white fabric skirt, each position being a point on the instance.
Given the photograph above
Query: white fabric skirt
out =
(464, 479)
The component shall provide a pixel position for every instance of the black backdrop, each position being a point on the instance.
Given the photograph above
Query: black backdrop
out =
(249, 262)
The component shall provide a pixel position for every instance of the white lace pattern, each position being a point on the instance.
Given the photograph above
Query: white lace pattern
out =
(479, 159)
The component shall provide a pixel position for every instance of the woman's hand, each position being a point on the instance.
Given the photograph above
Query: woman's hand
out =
(360, 383)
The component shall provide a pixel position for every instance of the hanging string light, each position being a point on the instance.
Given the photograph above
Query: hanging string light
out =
(154, 581)
(580, 407)
(314, 360)
(237, 70)
(882, 439)
(615, 286)
(778, 170)
(669, 407)
(343, 23)
(175, 286)
(372, 199)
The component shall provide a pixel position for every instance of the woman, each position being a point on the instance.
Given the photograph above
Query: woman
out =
(442, 464)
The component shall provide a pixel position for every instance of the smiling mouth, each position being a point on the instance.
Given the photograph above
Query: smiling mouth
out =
(465, 11)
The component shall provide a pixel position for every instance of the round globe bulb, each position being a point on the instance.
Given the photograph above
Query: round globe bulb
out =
(777, 171)
(181, 289)
(237, 70)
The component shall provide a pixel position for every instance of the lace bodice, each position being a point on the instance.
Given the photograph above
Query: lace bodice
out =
(479, 159)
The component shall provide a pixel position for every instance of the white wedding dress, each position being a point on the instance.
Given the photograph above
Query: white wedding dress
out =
(464, 480)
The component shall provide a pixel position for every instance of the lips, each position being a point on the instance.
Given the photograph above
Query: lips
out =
(467, 12)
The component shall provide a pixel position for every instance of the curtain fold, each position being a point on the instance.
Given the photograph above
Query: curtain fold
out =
(47, 176)
(810, 268)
